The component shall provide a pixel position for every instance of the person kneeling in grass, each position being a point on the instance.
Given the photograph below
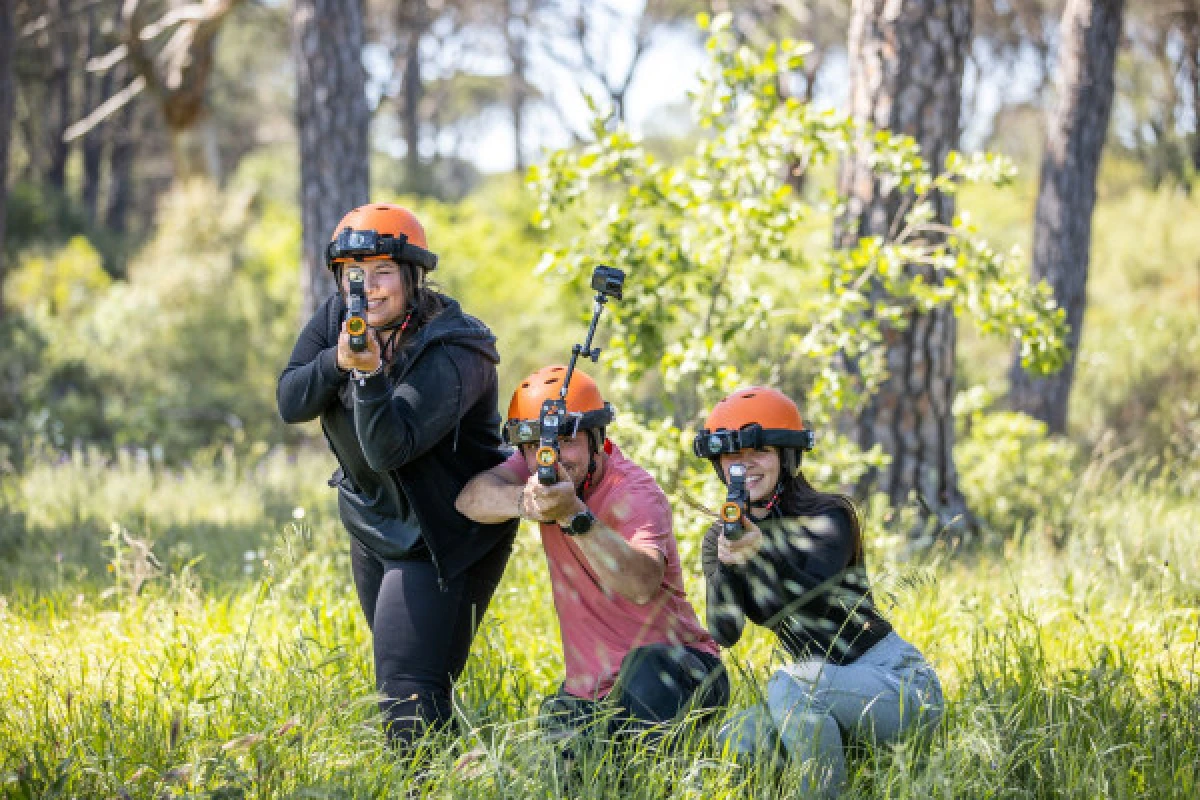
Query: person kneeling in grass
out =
(796, 567)
(633, 647)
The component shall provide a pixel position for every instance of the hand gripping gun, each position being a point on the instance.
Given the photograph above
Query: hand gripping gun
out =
(553, 420)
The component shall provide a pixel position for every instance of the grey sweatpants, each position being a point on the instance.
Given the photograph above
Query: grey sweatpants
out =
(811, 706)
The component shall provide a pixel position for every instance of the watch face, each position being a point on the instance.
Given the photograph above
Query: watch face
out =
(581, 523)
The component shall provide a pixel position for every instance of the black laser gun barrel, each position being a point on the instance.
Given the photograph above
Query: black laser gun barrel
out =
(609, 282)
(356, 322)
(553, 420)
(733, 510)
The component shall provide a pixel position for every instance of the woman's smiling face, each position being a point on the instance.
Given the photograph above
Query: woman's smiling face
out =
(762, 471)
(386, 288)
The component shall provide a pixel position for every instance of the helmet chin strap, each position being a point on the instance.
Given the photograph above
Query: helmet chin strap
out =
(774, 501)
(591, 471)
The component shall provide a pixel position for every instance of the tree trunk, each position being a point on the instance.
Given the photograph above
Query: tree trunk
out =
(126, 128)
(332, 120)
(1189, 21)
(96, 89)
(8, 87)
(907, 62)
(1091, 32)
(413, 18)
(516, 32)
(58, 96)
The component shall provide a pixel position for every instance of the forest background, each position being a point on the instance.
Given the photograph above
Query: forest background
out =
(175, 603)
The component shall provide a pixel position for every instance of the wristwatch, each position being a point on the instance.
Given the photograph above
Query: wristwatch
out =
(579, 524)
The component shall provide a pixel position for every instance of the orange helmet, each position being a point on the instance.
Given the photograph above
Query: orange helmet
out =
(380, 230)
(753, 418)
(586, 407)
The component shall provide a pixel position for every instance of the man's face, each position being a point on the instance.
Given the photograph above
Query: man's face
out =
(573, 455)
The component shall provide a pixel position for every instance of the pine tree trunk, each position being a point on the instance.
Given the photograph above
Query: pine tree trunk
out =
(332, 120)
(126, 129)
(907, 62)
(516, 34)
(1190, 22)
(8, 87)
(413, 20)
(1091, 33)
(96, 90)
(58, 96)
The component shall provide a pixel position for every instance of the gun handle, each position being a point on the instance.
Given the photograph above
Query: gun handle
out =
(733, 530)
(547, 476)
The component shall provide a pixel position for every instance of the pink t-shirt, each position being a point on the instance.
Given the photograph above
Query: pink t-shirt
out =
(598, 627)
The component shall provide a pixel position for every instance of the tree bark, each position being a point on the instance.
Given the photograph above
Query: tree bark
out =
(96, 88)
(414, 17)
(516, 33)
(1091, 33)
(126, 129)
(907, 62)
(8, 88)
(58, 96)
(1189, 21)
(332, 121)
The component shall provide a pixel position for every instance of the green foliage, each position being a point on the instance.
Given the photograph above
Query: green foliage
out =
(732, 278)
(1012, 472)
(40, 218)
(184, 354)
(62, 284)
(1136, 377)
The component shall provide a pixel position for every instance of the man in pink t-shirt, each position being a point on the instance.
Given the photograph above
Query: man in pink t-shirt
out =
(629, 634)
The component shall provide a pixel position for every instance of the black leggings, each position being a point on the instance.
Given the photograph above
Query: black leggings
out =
(422, 635)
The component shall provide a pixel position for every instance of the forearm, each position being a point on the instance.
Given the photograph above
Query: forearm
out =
(724, 614)
(305, 389)
(635, 574)
(488, 499)
(311, 379)
(399, 423)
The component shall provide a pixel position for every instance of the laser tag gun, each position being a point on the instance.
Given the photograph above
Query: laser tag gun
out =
(733, 510)
(356, 323)
(553, 420)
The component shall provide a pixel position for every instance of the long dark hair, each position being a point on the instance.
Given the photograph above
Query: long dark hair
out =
(798, 498)
(423, 296)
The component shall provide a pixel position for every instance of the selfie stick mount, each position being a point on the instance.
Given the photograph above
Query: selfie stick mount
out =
(608, 283)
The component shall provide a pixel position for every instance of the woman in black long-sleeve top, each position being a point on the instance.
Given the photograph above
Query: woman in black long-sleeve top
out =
(794, 565)
(410, 419)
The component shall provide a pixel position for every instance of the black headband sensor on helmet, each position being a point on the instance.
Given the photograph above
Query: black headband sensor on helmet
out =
(712, 444)
(361, 244)
(528, 431)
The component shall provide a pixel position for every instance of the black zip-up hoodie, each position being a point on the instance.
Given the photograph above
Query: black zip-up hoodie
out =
(409, 437)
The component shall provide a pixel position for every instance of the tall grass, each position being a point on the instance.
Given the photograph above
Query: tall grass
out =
(1070, 664)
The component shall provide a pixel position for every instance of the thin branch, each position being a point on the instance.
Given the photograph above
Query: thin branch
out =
(109, 60)
(105, 110)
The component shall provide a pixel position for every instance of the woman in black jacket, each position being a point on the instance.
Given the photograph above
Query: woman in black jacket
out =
(794, 564)
(410, 418)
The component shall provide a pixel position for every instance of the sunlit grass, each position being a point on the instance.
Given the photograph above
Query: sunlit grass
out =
(1069, 672)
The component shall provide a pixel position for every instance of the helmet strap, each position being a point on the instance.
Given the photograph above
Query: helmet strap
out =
(592, 451)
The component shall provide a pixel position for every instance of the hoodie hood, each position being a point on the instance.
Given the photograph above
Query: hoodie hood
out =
(454, 326)
(451, 327)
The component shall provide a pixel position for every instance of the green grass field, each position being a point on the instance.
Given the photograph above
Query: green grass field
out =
(1070, 672)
